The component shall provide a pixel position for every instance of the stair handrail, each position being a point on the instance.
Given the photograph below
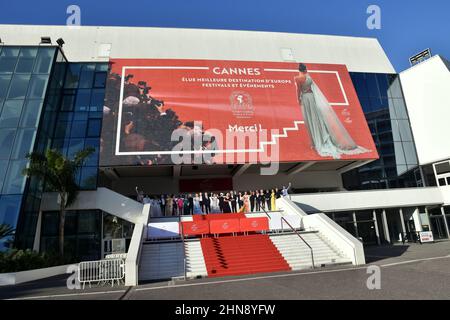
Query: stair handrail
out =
(184, 248)
(267, 214)
(298, 234)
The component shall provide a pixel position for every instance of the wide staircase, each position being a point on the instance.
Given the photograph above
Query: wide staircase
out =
(298, 254)
(165, 260)
(226, 256)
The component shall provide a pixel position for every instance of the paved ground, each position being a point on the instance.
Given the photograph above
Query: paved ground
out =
(407, 272)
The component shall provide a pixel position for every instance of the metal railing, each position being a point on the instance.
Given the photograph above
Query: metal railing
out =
(184, 248)
(101, 271)
(298, 234)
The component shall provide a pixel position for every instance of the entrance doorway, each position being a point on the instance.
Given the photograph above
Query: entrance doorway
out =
(438, 227)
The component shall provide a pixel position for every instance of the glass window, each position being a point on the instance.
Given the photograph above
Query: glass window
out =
(94, 128)
(12, 109)
(88, 178)
(360, 84)
(8, 59)
(30, 114)
(405, 130)
(395, 90)
(78, 129)
(9, 209)
(38, 85)
(400, 109)
(401, 169)
(410, 153)
(102, 67)
(50, 223)
(97, 100)
(70, 226)
(72, 76)
(92, 160)
(395, 130)
(100, 79)
(75, 145)
(68, 102)
(88, 222)
(399, 155)
(6, 142)
(63, 129)
(80, 116)
(15, 180)
(24, 143)
(61, 145)
(19, 86)
(65, 116)
(383, 84)
(26, 60)
(44, 60)
(83, 100)
(3, 167)
(5, 79)
(372, 86)
(86, 76)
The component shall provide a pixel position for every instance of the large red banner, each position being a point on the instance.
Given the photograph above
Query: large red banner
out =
(194, 228)
(302, 112)
(224, 226)
(254, 224)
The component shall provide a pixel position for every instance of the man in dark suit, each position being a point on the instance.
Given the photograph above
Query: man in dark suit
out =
(191, 204)
(221, 202)
(206, 203)
(252, 201)
(267, 196)
(233, 202)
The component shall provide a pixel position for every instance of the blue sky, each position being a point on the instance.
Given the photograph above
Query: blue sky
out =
(407, 27)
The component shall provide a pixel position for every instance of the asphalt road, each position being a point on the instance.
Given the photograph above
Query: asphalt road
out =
(406, 272)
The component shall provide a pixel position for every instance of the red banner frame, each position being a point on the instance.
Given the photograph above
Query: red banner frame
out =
(224, 226)
(254, 224)
(195, 228)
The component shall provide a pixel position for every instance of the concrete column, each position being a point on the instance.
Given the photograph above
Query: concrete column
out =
(385, 226)
(355, 224)
(37, 235)
(402, 221)
(445, 222)
(377, 232)
(417, 221)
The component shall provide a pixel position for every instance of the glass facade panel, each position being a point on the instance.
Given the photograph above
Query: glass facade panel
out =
(6, 142)
(78, 129)
(87, 76)
(5, 79)
(12, 109)
(44, 60)
(15, 180)
(9, 210)
(24, 143)
(19, 86)
(27, 57)
(31, 113)
(83, 100)
(3, 168)
(38, 85)
(383, 104)
(8, 59)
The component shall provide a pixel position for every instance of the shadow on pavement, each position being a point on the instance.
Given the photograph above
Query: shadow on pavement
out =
(374, 254)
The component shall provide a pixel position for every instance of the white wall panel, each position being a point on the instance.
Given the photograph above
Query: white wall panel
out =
(426, 89)
(88, 43)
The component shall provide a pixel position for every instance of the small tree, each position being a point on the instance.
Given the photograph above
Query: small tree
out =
(59, 173)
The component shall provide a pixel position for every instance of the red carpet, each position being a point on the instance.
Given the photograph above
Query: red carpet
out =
(251, 254)
(215, 216)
